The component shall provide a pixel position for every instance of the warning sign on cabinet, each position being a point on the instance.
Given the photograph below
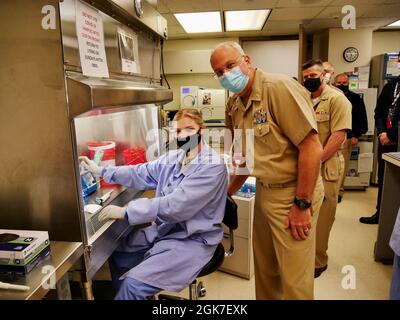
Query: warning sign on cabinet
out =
(128, 49)
(89, 29)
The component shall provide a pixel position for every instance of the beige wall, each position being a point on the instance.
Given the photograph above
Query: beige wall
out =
(386, 41)
(276, 56)
(321, 45)
(331, 44)
(202, 80)
(340, 39)
(195, 44)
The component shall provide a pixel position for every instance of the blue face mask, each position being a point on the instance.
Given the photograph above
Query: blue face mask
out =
(234, 80)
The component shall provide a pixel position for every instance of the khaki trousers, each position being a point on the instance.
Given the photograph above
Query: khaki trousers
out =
(284, 266)
(346, 151)
(327, 216)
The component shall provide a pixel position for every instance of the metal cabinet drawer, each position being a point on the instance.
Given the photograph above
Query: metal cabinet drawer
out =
(241, 262)
(245, 207)
(243, 230)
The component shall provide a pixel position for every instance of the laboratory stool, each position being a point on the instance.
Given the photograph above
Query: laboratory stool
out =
(196, 289)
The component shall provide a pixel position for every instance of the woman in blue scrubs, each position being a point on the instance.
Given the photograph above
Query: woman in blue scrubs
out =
(187, 212)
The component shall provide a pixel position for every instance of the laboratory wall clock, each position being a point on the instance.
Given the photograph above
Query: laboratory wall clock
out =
(350, 54)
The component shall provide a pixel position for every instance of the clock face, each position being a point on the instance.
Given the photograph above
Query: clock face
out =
(139, 7)
(350, 54)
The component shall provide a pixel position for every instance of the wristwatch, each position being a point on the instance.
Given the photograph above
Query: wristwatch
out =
(302, 204)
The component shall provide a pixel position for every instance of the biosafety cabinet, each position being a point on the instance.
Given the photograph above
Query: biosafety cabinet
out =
(76, 77)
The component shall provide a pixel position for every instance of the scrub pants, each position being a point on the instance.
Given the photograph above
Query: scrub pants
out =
(395, 287)
(129, 288)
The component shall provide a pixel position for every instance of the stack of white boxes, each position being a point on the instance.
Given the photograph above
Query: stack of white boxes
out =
(363, 76)
(241, 262)
(360, 166)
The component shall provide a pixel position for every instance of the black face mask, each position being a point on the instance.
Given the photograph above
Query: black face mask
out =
(343, 87)
(189, 143)
(312, 84)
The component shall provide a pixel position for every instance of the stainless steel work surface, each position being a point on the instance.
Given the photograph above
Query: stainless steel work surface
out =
(390, 205)
(392, 157)
(62, 256)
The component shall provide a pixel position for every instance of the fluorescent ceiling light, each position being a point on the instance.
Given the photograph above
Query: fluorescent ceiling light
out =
(200, 22)
(244, 20)
(394, 24)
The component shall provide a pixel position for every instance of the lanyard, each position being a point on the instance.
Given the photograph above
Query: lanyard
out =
(396, 94)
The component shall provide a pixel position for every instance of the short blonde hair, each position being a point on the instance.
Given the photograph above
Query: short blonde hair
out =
(191, 113)
(329, 66)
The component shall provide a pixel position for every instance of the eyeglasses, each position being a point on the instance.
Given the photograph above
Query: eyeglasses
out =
(228, 67)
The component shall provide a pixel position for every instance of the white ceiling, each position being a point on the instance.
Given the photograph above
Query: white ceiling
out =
(316, 15)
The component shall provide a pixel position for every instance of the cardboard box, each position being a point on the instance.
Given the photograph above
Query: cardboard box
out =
(363, 72)
(365, 162)
(366, 146)
(22, 244)
(16, 268)
(362, 84)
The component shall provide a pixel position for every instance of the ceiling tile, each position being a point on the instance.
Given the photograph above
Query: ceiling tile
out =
(175, 29)
(247, 4)
(302, 3)
(362, 11)
(171, 20)
(391, 20)
(330, 13)
(321, 24)
(381, 11)
(285, 26)
(161, 7)
(360, 2)
(336, 12)
(286, 15)
(176, 6)
(373, 22)
(295, 13)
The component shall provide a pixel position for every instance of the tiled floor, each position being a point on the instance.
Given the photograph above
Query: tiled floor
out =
(351, 244)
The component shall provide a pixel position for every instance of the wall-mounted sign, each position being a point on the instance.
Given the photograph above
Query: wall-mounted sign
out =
(128, 50)
(89, 29)
(392, 68)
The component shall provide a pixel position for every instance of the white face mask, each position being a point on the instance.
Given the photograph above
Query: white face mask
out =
(328, 77)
